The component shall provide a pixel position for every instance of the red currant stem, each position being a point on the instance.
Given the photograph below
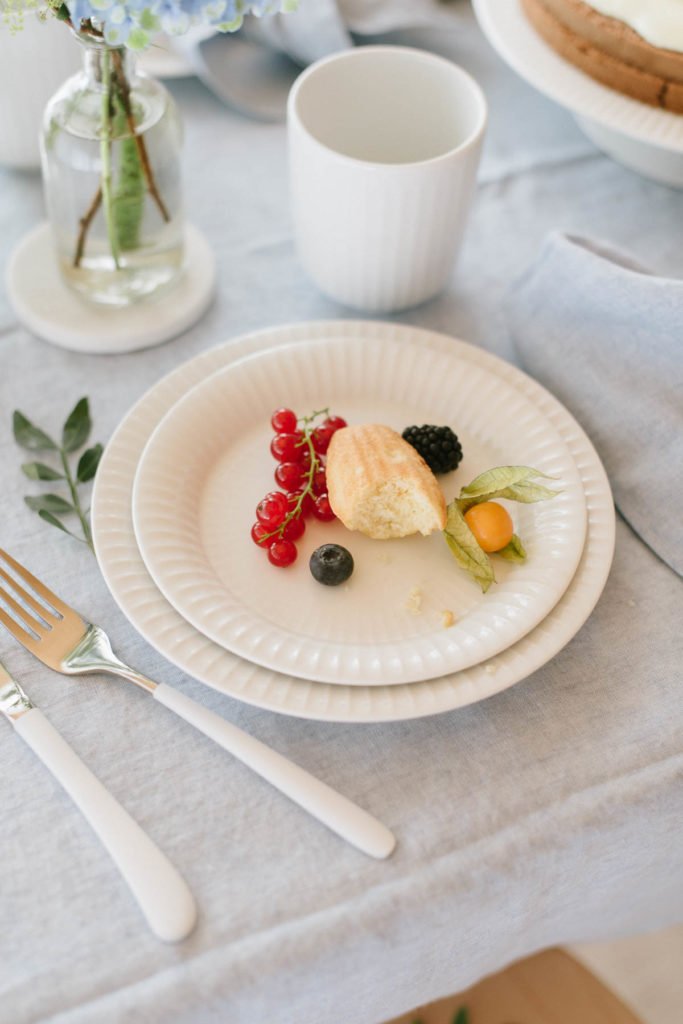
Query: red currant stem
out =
(313, 416)
(312, 470)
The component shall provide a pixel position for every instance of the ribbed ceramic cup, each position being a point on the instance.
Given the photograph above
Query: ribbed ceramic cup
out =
(384, 144)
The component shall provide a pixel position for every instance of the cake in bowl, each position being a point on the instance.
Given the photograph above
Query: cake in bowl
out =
(632, 46)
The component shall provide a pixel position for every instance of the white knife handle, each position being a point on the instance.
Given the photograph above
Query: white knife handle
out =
(331, 808)
(161, 892)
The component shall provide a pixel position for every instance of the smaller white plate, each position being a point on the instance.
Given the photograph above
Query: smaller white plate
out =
(645, 138)
(207, 465)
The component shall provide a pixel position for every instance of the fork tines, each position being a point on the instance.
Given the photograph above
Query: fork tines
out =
(31, 619)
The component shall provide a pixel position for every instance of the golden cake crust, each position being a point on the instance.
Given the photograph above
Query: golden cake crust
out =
(610, 51)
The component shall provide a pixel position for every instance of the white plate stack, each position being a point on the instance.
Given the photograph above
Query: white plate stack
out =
(175, 497)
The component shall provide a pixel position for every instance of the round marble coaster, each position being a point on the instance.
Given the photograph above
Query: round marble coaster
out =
(47, 307)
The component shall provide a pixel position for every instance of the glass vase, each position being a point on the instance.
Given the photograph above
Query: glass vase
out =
(110, 151)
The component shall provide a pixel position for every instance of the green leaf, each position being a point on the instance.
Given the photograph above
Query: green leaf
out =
(528, 493)
(77, 427)
(62, 13)
(465, 549)
(39, 471)
(129, 194)
(514, 551)
(462, 1016)
(88, 463)
(497, 478)
(53, 521)
(51, 503)
(511, 482)
(29, 436)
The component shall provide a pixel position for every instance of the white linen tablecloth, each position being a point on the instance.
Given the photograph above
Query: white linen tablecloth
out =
(548, 814)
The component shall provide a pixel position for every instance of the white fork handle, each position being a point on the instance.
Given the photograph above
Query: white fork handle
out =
(161, 892)
(331, 808)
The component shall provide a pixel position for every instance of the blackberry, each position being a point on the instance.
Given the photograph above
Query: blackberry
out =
(438, 446)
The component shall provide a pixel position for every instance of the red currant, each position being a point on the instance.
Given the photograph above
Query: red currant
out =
(283, 421)
(288, 447)
(322, 509)
(320, 482)
(294, 529)
(334, 423)
(306, 504)
(282, 553)
(272, 509)
(289, 475)
(321, 438)
(258, 532)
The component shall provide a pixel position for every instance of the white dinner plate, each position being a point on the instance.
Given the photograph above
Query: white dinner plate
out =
(208, 464)
(154, 618)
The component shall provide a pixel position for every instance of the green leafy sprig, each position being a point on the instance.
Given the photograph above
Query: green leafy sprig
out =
(516, 483)
(53, 508)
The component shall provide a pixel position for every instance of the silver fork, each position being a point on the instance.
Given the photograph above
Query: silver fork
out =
(62, 640)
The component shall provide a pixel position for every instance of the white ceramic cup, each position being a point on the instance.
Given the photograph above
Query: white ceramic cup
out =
(384, 144)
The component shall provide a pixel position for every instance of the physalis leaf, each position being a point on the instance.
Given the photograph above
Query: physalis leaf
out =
(465, 549)
(527, 493)
(514, 551)
(512, 482)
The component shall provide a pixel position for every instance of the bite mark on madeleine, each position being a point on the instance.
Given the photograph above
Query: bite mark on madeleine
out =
(379, 485)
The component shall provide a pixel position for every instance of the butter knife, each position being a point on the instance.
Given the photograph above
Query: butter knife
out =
(161, 892)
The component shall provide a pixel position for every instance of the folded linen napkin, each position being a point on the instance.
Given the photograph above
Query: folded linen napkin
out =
(606, 337)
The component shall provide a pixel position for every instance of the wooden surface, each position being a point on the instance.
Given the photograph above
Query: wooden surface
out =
(549, 988)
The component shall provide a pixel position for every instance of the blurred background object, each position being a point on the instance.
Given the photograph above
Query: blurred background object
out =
(33, 64)
(253, 71)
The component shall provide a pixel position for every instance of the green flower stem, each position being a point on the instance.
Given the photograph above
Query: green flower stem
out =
(83, 518)
(105, 153)
(124, 94)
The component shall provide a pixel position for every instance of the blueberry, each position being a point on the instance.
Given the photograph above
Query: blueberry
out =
(331, 564)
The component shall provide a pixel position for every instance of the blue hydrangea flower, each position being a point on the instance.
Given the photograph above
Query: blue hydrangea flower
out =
(133, 22)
